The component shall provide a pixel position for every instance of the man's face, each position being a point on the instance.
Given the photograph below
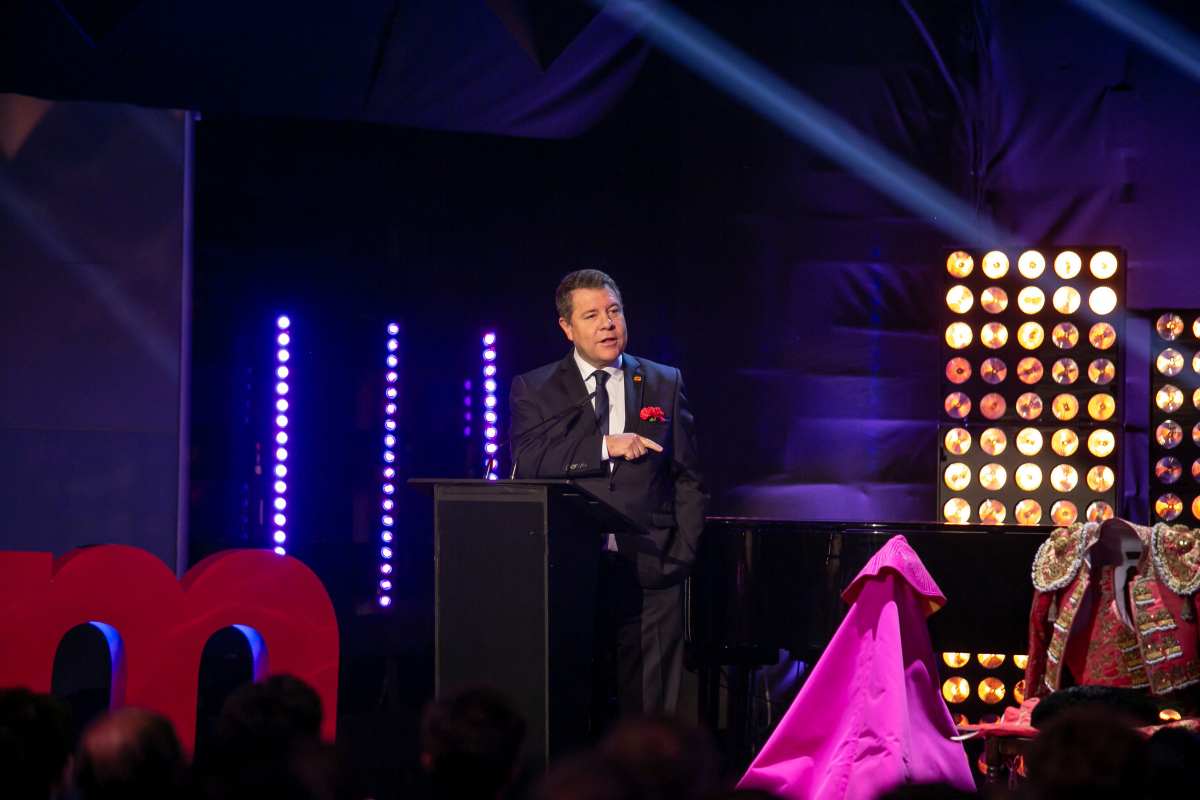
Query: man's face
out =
(597, 325)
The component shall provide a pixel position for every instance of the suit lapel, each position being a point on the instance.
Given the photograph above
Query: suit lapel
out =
(569, 381)
(635, 383)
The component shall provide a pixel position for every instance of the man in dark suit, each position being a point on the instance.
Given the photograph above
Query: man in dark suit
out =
(633, 444)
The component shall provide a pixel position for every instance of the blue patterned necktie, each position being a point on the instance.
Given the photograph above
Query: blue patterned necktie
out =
(601, 400)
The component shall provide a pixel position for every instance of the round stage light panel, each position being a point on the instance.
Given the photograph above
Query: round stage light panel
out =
(1099, 511)
(1168, 506)
(1028, 512)
(993, 335)
(991, 690)
(1066, 300)
(1028, 476)
(1029, 370)
(990, 660)
(993, 441)
(1067, 264)
(1102, 406)
(992, 477)
(1168, 469)
(1101, 371)
(958, 335)
(1029, 406)
(1101, 442)
(958, 441)
(1168, 434)
(956, 511)
(1196, 434)
(1064, 406)
(1064, 512)
(959, 264)
(1064, 478)
(1030, 335)
(1029, 441)
(1064, 371)
(955, 660)
(992, 405)
(1031, 264)
(1169, 326)
(1019, 691)
(956, 690)
(1102, 300)
(993, 370)
(1168, 398)
(1100, 478)
(995, 264)
(1064, 335)
(1196, 470)
(1102, 336)
(993, 300)
(1021, 661)
(1031, 299)
(957, 476)
(992, 512)
(1169, 362)
(958, 370)
(960, 299)
(1196, 507)
(1065, 442)
(1103, 265)
(1196, 398)
(958, 405)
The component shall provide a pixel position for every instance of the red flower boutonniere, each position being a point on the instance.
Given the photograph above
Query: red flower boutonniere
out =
(653, 414)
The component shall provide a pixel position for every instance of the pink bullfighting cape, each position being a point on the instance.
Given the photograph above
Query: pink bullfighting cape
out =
(871, 714)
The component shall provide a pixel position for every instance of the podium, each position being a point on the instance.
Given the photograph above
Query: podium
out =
(515, 566)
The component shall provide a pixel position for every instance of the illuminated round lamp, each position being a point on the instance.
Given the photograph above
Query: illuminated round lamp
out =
(1064, 512)
(1196, 398)
(1196, 507)
(1064, 406)
(1065, 442)
(1169, 327)
(956, 511)
(958, 441)
(993, 370)
(992, 512)
(1067, 264)
(958, 370)
(1196, 433)
(991, 690)
(958, 335)
(993, 441)
(990, 660)
(1100, 478)
(1103, 406)
(993, 335)
(1064, 478)
(1103, 265)
(1031, 299)
(1102, 300)
(992, 405)
(1102, 335)
(1101, 371)
(1101, 442)
(1167, 469)
(1168, 434)
(960, 299)
(1029, 406)
(1169, 362)
(993, 299)
(995, 264)
(1064, 335)
(959, 264)
(1064, 371)
(1030, 335)
(1066, 300)
(1029, 441)
(1029, 370)
(1028, 476)
(1196, 328)
(1031, 264)
(955, 660)
(957, 476)
(956, 689)
(1020, 661)
(992, 477)
(958, 405)
(1168, 507)
(1019, 691)
(1169, 715)
(1168, 398)
(1099, 511)
(1028, 512)
(1196, 470)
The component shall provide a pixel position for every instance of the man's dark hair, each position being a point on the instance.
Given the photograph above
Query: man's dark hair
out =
(1088, 753)
(35, 743)
(470, 742)
(130, 754)
(581, 279)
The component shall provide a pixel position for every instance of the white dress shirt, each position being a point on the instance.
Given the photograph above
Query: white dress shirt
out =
(616, 395)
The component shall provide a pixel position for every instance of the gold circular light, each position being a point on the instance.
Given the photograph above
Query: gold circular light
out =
(1019, 690)
(1169, 326)
(958, 335)
(1031, 264)
(960, 264)
(1103, 265)
(992, 405)
(1168, 469)
(1064, 371)
(1168, 506)
(1029, 441)
(1102, 336)
(1101, 371)
(960, 299)
(1067, 264)
(957, 476)
(1066, 300)
(993, 335)
(1168, 434)
(1064, 512)
(1196, 507)
(990, 660)
(1064, 406)
(992, 512)
(1169, 362)
(1103, 406)
(1101, 442)
(992, 476)
(1031, 299)
(956, 690)
(993, 441)
(958, 370)
(1029, 406)
(1196, 328)
(1064, 442)
(1196, 470)
(1196, 398)
(1021, 661)
(1065, 335)
(1099, 511)
(1102, 300)
(1029, 370)
(1196, 433)
(1030, 335)
(958, 441)
(1169, 715)
(1100, 478)
(956, 511)
(991, 690)
(956, 660)
(995, 264)
(992, 370)
(1028, 476)
(958, 405)
(1028, 512)
(993, 300)
(1168, 398)
(1064, 478)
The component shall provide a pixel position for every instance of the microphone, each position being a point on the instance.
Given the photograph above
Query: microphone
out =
(570, 410)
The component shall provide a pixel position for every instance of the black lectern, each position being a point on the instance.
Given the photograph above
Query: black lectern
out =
(514, 597)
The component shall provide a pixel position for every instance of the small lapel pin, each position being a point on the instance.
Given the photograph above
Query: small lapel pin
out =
(637, 378)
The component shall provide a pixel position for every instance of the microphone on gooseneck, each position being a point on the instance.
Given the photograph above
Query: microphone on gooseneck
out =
(570, 410)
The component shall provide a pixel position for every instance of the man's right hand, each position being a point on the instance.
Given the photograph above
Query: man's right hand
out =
(629, 446)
